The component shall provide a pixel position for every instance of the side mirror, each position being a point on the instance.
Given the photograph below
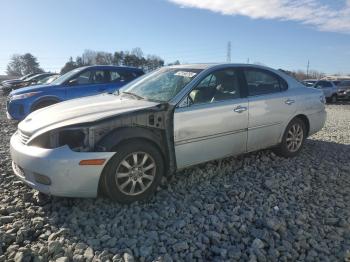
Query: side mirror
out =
(73, 82)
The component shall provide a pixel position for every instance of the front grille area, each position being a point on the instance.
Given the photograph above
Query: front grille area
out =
(23, 137)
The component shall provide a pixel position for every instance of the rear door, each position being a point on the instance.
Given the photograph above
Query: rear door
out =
(214, 125)
(271, 104)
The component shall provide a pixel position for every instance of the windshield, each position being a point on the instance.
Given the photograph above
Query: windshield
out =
(25, 77)
(38, 77)
(47, 79)
(66, 76)
(161, 85)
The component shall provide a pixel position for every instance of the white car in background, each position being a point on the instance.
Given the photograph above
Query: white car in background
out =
(173, 118)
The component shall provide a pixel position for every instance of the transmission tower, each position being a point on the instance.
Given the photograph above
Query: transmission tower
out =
(228, 52)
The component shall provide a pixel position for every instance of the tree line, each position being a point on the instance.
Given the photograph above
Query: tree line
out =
(302, 75)
(20, 65)
(134, 58)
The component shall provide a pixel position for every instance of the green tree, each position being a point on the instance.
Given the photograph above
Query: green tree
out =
(104, 58)
(70, 65)
(20, 65)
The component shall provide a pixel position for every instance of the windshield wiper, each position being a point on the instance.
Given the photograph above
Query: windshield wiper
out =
(134, 95)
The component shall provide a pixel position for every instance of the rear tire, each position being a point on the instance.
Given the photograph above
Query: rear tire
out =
(134, 172)
(293, 139)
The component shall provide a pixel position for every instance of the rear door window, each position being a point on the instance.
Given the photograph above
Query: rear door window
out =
(261, 82)
(128, 75)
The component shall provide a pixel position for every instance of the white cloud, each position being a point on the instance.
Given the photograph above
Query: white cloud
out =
(311, 12)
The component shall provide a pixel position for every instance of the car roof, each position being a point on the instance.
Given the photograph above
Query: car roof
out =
(111, 67)
(219, 65)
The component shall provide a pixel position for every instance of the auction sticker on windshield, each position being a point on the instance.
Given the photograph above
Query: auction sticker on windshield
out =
(185, 74)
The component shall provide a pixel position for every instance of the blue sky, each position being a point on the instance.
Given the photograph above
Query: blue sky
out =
(273, 32)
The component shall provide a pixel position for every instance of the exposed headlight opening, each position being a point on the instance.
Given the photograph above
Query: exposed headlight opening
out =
(76, 138)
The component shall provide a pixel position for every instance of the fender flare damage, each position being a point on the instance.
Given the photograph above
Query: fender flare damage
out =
(153, 124)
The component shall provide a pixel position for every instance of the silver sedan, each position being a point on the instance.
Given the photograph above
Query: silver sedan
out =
(170, 119)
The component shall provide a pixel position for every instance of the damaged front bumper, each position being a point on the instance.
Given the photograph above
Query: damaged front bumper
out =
(57, 170)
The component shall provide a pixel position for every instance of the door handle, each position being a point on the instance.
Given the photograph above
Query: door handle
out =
(240, 109)
(289, 102)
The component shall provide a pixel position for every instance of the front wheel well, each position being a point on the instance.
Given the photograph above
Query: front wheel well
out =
(43, 103)
(306, 122)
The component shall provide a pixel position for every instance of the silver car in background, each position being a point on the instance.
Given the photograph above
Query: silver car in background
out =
(173, 118)
(329, 89)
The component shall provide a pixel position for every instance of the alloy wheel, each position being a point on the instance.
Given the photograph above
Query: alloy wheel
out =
(295, 138)
(135, 173)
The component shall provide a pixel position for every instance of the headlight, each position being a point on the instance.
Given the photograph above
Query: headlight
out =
(76, 138)
(23, 96)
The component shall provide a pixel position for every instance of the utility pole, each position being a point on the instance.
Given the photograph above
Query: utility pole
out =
(307, 68)
(248, 60)
(228, 52)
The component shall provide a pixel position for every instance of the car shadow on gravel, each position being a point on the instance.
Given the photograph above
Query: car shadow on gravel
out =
(256, 204)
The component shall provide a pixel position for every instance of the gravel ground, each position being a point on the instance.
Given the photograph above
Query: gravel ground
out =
(256, 207)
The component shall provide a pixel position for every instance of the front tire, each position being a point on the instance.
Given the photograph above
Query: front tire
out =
(293, 139)
(134, 172)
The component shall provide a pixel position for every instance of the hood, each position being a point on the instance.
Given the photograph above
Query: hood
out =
(78, 111)
(8, 81)
(11, 82)
(28, 89)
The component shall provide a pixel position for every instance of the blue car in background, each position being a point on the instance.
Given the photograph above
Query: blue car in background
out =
(83, 81)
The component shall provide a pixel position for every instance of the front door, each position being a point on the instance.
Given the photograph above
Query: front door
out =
(89, 82)
(214, 125)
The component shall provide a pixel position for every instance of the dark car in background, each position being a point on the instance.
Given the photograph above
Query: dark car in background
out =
(15, 81)
(48, 79)
(80, 82)
(7, 87)
(344, 89)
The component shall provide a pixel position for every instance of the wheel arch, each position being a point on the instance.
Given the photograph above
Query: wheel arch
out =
(300, 116)
(44, 99)
(306, 121)
(122, 135)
